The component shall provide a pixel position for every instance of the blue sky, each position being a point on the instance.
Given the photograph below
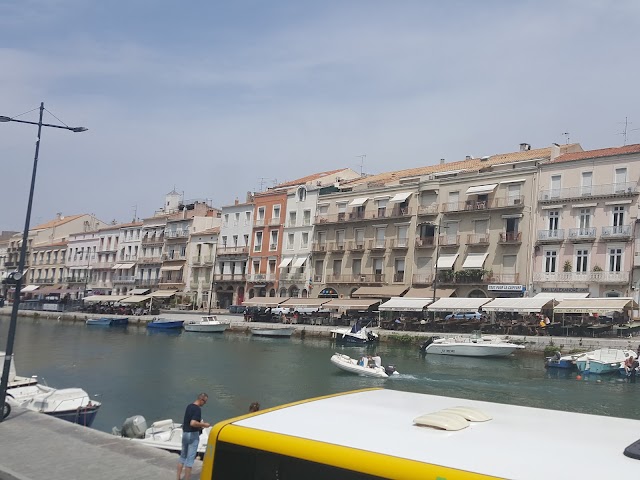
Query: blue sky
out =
(212, 96)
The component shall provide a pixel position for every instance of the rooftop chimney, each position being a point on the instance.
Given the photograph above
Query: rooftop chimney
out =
(525, 147)
(442, 161)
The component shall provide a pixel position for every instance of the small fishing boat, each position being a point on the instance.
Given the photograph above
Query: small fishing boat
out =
(272, 331)
(476, 345)
(348, 364)
(561, 361)
(355, 334)
(108, 322)
(207, 323)
(602, 361)
(165, 324)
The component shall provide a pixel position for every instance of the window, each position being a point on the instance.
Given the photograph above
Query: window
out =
(235, 240)
(290, 239)
(554, 220)
(356, 266)
(382, 207)
(377, 269)
(550, 259)
(399, 270)
(340, 239)
(292, 219)
(322, 238)
(587, 181)
(256, 267)
(261, 213)
(337, 267)
(582, 261)
(302, 194)
(615, 259)
(359, 235)
(273, 243)
(555, 185)
(318, 270)
(454, 198)
(513, 194)
(257, 243)
(618, 219)
(306, 217)
(224, 241)
(276, 212)
(342, 209)
(246, 240)
(226, 219)
(584, 219)
(305, 240)
(247, 218)
(380, 234)
(620, 179)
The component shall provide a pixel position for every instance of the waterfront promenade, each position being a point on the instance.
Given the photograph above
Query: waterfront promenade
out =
(38, 447)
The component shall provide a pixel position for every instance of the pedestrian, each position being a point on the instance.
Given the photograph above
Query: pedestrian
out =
(191, 428)
(254, 407)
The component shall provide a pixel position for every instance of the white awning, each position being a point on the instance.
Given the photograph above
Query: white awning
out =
(446, 260)
(126, 266)
(600, 306)
(358, 202)
(29, 288)
(559, 296)
(136, 299)
(481, 189)
(402, 304)
(458, 304)
(526, 305)
(305, 302)
(379, 292)
(104, 298)
(264, 301)
(299, 262)
(400, 197)
(350, 303)
(171, 268)
(285, 262)
(475, 260)
(139, 291)
(116, 266)
(163, 294)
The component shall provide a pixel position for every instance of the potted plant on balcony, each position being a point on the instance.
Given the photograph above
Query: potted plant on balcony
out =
(567, 266)
(597, 268)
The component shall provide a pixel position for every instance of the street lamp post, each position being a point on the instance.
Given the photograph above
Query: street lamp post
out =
(17, 275)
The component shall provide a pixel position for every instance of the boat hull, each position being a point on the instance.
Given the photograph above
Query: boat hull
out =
(597, 367)
(166, 325)
(602, 361)
(472, 349)
(108, 322)
(210, 328)
(272, 332)
(348, 364)
(552, 362)
(361, 337)
(82, 416)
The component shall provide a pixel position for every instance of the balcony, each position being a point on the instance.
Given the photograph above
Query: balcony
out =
(293, 277)
(102, 284)
(169, 257)
(399, 243)
(165, 283)
(105, 265)
(516, 202)
(337, 246)
(229, 277)
(176, 234)
(550, 236)
(422, 279)
(259, 222)
(621, 232)
(356, 278)
(478, 239)
(319, 247)
(274, 222)
(449, 240)
(39, 281)
(149, 260)
(261, 277)
(76, 280)
(582, 234)
(583, 277)
(510, 238)
(379, 245)
(153, 240)
(425, 242)
(475, 277)
(356, 246)
(148, 282)
(131, 258)
(398, 277)
(127, 279)
(431, 209)
(627, 189)
(204, 282)
(232, 250)
(202, 261)
(318, 278)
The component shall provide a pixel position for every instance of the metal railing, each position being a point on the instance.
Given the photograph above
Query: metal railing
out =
(232, 250)
(448, 240)
(143, 260)
(491, 204)
(551, 235)
(574, 277)
(478, 239)
(431, 209)
(379, 244)
(425, 242)
(511, 237)
(398, 243)
(422, 279)
(355, 278)
(620, 231)
(261, 277)
(611, 189)
(319, 247)
(355, 245)
(229, 277)
(582, 233)
(123, 279)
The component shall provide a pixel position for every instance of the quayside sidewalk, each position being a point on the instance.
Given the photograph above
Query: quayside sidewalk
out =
(34, 446)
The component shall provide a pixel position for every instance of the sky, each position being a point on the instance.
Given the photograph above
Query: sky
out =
(216, 99)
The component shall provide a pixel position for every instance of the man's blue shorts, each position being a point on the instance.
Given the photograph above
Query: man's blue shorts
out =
(189, 451)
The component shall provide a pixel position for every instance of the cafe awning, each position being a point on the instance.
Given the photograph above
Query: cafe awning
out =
(358, 202)
(29, 288)
(163, 293)
(51, 289)
(428, 293)
(404, 304)
(458, 304)
(400, 197)
(351, 303)
(299, 262)
(264, 301)
(171, 268)
(285, 262)
(139, 291)
(104, 298)
(136, 299)
(601, 306)
(524, 305)
(446, 260)
(475, 260)
(379, 292)
(558, 296)
(481, 189)
(305, 302)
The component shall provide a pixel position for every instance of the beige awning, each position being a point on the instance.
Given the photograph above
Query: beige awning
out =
(400, 197)
(379, 292)
(285, 262)
(139, 291)
(29, 288)
(428, 292)
(446, 260)
(171, 268)
(404, 304)
(351, 303)
(475, 260)
(601, 306)
(458, 304)
(525, 305)
(104, 298)
(558, 296)
(358, 202)
(264, 301)
(126, 266)
(305, 302)
(136, 299)
(115, 267)
(163, 293)
(299, 262)
(481, 189)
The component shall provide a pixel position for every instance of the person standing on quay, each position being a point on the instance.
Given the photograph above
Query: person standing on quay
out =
(191, 428)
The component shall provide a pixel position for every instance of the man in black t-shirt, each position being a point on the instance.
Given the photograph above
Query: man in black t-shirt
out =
(191, 428)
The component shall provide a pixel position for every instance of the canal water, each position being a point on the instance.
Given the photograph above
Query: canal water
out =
(134, 371)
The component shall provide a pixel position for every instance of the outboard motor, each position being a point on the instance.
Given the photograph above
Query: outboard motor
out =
(133, 427)
(425, 344)
(390, 370)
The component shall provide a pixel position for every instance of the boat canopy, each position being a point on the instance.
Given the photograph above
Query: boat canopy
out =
(600, 306)
(524, 305)
(458, 304)
(400, 304)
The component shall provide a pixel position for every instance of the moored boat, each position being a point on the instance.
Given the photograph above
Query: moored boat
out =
(165, 324)
(355, 334)
(348, 364)
(108, 322)
(476, 345)
(272, 331)
(207, 323)
(602, 361)
(561, 361)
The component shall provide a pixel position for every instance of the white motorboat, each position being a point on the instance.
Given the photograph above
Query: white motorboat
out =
(476, 345)
(207, 323)
(272, 331)
(603, 360)
(348, 364)
(354, 334)
(163, 434)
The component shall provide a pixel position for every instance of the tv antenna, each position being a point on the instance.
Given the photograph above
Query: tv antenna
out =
(135, 212)
(566, 134)
(262, 182)
(625, 131)
(362, 157)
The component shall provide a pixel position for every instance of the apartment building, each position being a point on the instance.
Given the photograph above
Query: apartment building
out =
(150, 257)
(80, 261)
(48, 264)
(5, 237)
(202, 251)
(587, 223)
